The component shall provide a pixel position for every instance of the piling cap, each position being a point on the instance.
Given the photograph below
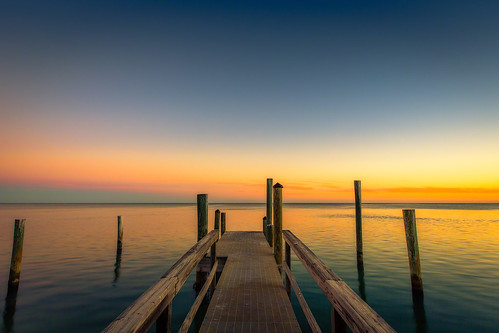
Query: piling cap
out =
(218, 210)
(277, 185)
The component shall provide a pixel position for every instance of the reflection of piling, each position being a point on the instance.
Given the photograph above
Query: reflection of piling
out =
(10, 307)
(117, 265)
(17, 252)
(419, 311)
(278, 224)
(411, 235)
(223, 223)
(202, 201)
(362, 283)
(120, 235)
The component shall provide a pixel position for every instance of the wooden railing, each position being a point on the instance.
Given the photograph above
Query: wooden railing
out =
(154, 305)
(347, 308)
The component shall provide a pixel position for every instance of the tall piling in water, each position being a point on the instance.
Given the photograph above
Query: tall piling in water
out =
(17, 252)
(217, 221)
(411, 236)
(278, 224)
(223, 223)
(202, 207)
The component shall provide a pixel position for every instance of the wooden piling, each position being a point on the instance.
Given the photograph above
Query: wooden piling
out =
(278, 223)
(17, 252)
(223, 222)
(264, 226)
(213, 260)
(217, 221)
(411, 236)
(119, 245)
(202, 204)
(202, 215)
(270, 234)
(270, 181)
(358, 221)
(164, 321)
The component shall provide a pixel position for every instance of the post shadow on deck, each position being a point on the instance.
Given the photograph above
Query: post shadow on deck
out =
(14, 275)
(411, 235)
(359, 243)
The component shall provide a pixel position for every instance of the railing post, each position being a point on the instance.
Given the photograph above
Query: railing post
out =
(338, 325)
(213, 259)
(411, 236)
(278, 224)
(202, 205)
(223, 222)
(265, 226)
(17, 252)
(287, 255)
(164, 321)
(217, 221)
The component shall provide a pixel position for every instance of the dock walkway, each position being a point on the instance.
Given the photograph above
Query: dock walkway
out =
(250, 295)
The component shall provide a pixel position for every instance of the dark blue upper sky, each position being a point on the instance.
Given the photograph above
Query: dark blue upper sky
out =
(307, 76)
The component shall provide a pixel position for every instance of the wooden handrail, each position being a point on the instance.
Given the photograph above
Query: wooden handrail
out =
(356, 313)
(142, 313)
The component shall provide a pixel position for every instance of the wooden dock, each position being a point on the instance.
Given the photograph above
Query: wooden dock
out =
(250, 295)
(253, 292)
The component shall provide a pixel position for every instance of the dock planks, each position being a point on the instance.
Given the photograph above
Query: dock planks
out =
(250, 295)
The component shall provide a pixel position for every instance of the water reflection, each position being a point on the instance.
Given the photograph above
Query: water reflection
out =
(419, 311)
(117, 265)
(10, 308)
(360, 276)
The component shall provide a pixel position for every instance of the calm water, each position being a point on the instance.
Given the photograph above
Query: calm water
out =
(69, 280)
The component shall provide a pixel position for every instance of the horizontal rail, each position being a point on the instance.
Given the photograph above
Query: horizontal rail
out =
(314, 327)
(194, 308)
(356, 313)
(142, 313)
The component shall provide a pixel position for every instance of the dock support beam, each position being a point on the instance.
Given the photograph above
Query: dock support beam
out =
(223, 223)
(17, 252)
(278, 224)
(202, 200)
(411, 236)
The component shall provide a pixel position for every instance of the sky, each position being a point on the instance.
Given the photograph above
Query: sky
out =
(149, 101)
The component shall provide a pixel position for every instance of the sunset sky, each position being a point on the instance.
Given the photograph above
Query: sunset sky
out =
(131, 101)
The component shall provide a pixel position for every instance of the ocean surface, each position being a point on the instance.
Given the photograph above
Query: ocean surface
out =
(71, 282)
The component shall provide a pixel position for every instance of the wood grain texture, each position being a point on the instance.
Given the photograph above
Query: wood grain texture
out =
(250, 296)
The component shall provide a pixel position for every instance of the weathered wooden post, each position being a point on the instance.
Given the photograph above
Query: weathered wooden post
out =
(265, 226)
(278, 224)
(202, 215)
(358, 221)
(164, 321)
(269, 200)
(270, 234)
(411, 236)
(337, 323)
(202, 205)
(287, 255)
(119, 245)
(213, 259)
(217, 221)
(223, 223)
(17, 252)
